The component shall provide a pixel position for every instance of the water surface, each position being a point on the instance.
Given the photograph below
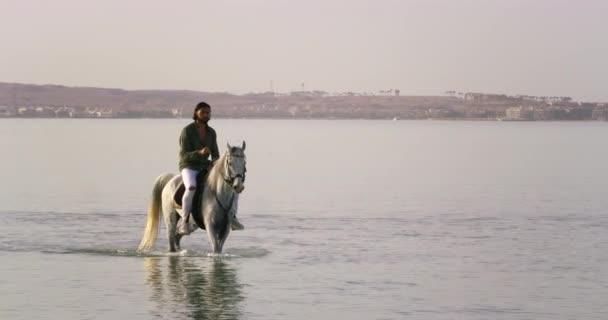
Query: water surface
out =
(344, 219)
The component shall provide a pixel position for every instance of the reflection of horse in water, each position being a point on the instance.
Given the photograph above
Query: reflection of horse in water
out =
(208, 290)
(218, 203)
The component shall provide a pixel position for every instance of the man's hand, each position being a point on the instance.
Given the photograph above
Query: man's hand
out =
(204, 151)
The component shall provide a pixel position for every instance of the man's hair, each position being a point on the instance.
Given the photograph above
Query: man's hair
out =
(199, 106)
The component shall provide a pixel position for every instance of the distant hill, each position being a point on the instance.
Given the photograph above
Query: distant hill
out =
(55, 95)
(28, 100)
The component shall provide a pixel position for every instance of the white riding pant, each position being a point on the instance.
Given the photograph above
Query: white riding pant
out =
(189, 178)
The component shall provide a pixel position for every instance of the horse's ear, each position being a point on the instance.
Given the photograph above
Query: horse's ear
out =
(244, 145)
(228, 145)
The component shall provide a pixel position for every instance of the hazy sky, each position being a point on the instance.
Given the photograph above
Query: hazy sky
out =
(422, 47)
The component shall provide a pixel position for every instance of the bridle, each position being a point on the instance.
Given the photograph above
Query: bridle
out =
(230, 178)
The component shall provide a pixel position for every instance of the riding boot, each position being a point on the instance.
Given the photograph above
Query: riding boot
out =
(183, 225)
(236, 224)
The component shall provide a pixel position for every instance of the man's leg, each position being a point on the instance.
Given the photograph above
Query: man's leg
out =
(189, 177)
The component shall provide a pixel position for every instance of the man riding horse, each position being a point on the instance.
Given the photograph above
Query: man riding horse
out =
(197, 142)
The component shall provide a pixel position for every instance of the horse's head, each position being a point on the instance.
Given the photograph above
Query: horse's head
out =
(236, 167)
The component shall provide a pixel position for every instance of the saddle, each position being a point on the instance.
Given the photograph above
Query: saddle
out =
(197, 212)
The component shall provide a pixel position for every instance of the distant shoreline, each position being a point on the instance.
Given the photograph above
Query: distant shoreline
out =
(51, 101)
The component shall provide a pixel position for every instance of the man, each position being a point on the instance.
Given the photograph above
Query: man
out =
(197, 142)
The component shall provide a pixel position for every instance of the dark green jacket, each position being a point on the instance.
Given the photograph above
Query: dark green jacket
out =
(189, 145)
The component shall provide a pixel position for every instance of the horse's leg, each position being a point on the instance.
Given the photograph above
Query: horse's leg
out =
(217, 244)
(212, 239)
(171, 237)
(178, 238)
(214, 228)
(223, 240)
(170, 216)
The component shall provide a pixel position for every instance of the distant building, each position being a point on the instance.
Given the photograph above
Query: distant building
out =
(389, 92)
(519, 113)
(44, 112)
(63, 112)
(600, 113)
(177, 112)
(105, 113)
(26, 112)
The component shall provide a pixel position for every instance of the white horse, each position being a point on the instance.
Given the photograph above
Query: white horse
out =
(218, 204)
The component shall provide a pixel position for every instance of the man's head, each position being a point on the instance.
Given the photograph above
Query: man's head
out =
(202, 112)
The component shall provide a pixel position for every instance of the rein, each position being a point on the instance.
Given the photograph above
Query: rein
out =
(230, 180)
(226, 210)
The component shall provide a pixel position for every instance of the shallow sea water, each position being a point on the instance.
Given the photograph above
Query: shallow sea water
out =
(344, 219)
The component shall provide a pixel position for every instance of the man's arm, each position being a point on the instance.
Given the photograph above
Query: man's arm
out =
(185, 149)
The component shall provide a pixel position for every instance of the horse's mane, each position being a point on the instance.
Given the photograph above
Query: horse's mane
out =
(215, 174)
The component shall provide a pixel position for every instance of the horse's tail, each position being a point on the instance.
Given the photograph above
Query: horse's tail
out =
(152, 225)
